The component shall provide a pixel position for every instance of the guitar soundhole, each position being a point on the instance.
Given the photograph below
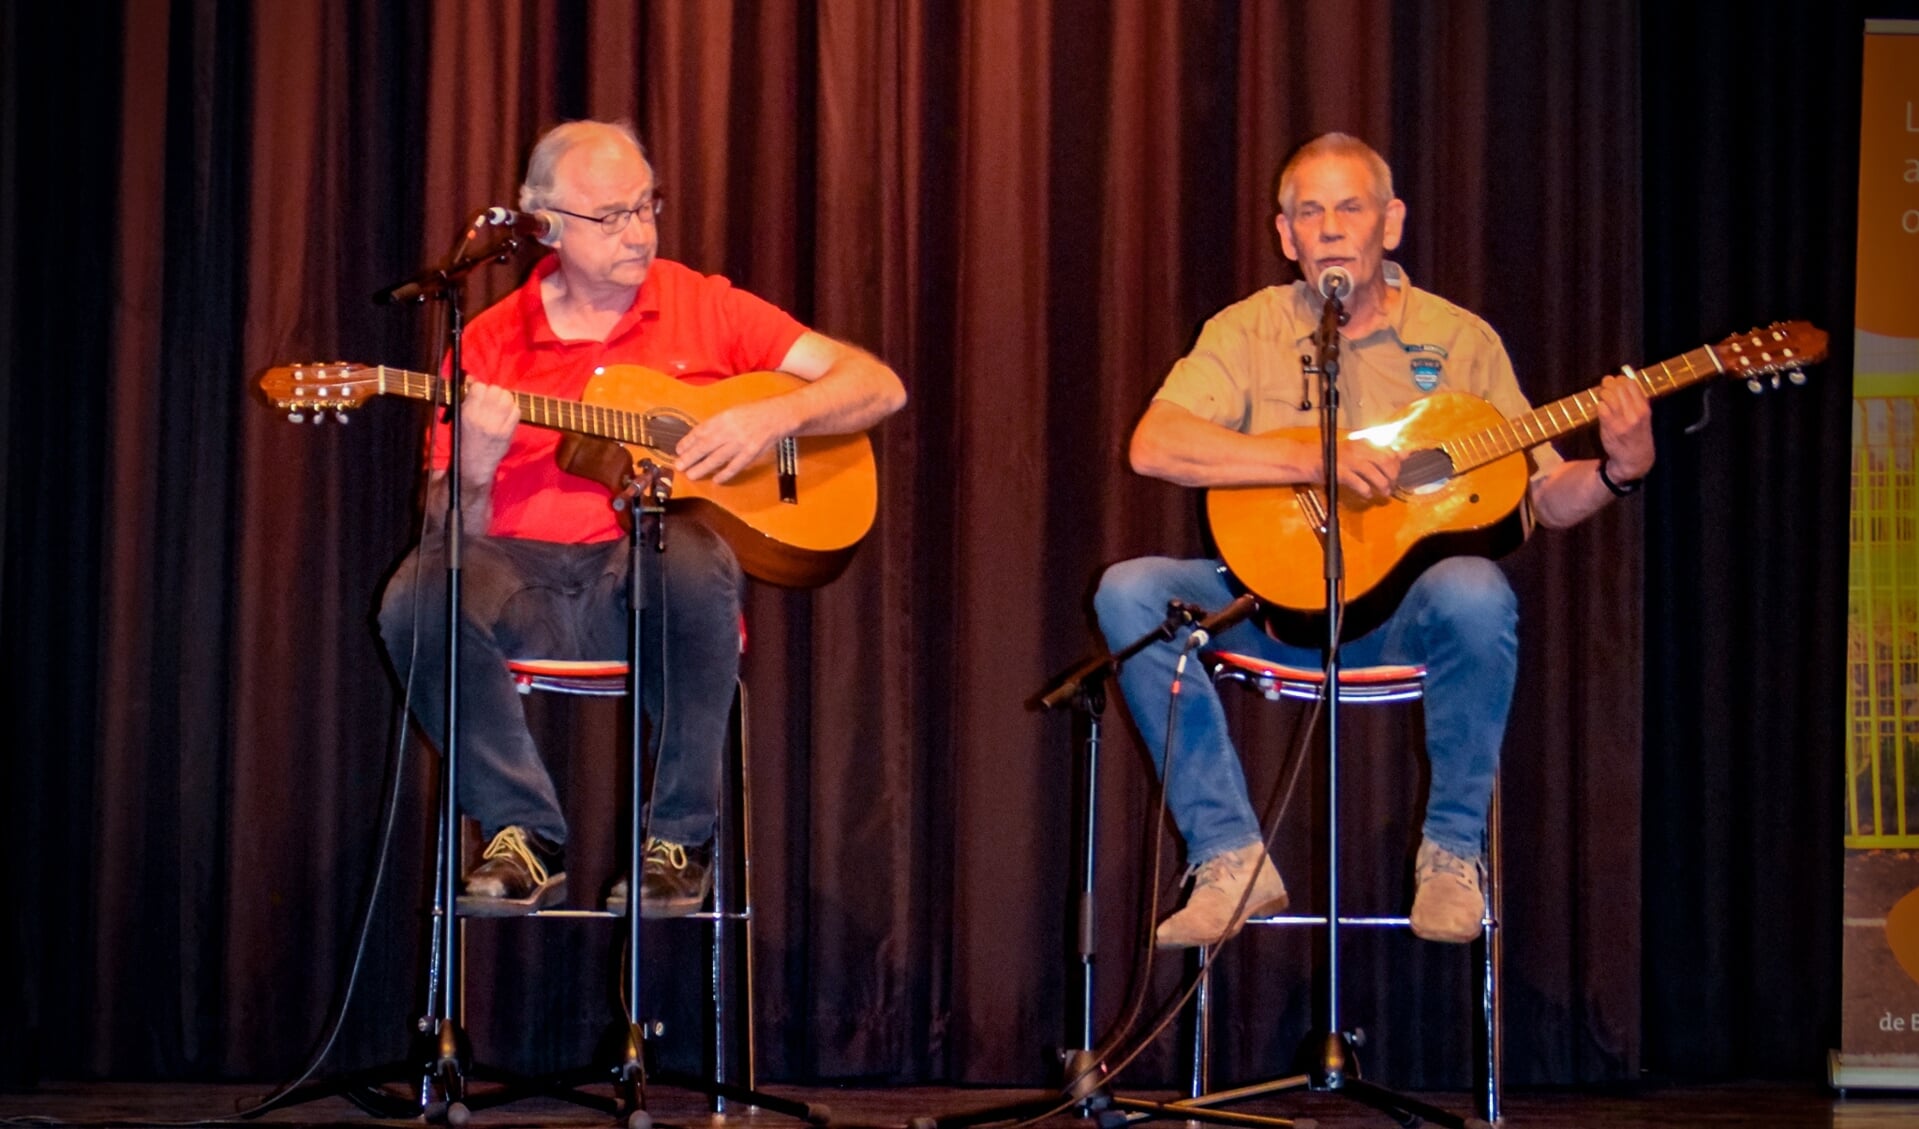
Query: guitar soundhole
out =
(1424, 470)
(665, 427)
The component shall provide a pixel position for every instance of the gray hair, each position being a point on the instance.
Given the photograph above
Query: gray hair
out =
(557, 142)
(1334, 145)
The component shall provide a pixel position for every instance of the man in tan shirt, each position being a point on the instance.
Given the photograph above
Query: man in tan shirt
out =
(1207, 427)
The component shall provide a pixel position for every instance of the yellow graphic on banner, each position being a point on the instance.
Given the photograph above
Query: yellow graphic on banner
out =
(1882, 742)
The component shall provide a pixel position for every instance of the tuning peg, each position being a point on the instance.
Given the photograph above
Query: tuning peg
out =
(1796, 375)
(1755, 385)
(339, 415)
(296, 416)
(1775, 380)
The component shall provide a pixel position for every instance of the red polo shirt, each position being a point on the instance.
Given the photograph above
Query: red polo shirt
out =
(696, 327)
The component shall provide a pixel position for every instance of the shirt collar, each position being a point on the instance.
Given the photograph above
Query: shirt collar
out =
(1309, 302)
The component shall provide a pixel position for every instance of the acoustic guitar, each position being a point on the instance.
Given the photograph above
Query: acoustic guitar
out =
(792, 518)
(1462, 477)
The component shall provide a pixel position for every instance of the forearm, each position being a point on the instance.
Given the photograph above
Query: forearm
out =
(1569, 494)
(1172, 444)
(476, 503)
(853, 394)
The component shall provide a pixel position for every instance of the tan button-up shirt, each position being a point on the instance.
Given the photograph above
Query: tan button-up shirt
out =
(1245, 373)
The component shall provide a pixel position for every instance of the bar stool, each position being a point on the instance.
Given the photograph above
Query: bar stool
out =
(731, 906)
(1366, 686)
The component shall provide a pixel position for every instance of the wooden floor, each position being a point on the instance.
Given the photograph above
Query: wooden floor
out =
(1777, 1107)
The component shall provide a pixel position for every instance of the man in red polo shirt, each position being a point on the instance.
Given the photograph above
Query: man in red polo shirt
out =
(545, 560)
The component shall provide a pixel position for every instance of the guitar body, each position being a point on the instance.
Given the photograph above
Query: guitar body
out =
(834, 492)
(1272, 542)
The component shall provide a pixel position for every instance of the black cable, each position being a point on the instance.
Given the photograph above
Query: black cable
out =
(1278, 802)
(396, 761)
(1144, 941)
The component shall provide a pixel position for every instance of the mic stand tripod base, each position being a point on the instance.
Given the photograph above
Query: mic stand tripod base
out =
(1331, 1068)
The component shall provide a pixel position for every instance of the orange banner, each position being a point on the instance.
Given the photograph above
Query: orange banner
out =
(1879, 1012)
(1889, 187)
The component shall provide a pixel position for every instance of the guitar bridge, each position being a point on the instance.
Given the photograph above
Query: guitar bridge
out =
(1313, 505)
(788, 462)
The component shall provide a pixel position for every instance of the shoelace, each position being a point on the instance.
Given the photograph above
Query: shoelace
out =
(511, 843)
(672, 854)
(1216, 871)
(1441, 861)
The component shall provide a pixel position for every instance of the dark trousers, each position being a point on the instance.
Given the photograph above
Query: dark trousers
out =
(545, 600)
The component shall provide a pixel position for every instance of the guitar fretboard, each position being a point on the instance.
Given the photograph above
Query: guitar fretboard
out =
(618, 424)
(1478, 448)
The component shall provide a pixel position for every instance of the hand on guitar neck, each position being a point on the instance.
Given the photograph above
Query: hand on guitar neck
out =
(1572, 492)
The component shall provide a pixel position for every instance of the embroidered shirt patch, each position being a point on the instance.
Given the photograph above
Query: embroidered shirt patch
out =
(1428, 362)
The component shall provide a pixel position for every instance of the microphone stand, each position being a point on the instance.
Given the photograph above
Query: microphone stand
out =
(441, 1062)
(1327, 1053)
(1085, 1087)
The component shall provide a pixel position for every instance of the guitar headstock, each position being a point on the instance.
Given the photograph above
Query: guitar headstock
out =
(319, 389)
(1780, 350)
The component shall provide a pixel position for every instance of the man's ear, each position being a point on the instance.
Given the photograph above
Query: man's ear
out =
(1285, 229)
(1395, 222)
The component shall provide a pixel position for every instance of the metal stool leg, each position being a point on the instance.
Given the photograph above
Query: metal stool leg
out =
(1379, 684)
(731, 906)
(1489, 1059)
(1201, 1080)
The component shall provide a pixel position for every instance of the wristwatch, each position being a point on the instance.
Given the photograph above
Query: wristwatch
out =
(1619, 489)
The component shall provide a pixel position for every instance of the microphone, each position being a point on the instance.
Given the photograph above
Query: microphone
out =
(1209, 625)
(1335, 284)
(541, 226)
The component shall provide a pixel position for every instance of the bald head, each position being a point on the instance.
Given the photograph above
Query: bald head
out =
(1334, 145)
(542, 167)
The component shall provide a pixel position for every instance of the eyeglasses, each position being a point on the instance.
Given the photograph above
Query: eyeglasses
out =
(613, 223)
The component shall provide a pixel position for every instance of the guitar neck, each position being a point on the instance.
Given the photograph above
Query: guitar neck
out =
(551, 412)
(1578, 410)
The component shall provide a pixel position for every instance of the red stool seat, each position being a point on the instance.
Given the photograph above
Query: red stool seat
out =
(595, 678)
(598, 678)
(1356, 683)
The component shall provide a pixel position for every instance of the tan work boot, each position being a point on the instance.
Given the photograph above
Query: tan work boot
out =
(1449, 906)
(1207, 917)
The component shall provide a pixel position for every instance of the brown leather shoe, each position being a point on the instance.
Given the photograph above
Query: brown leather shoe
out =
(518, 874)
(1218, 883)
(1449, 906)
(674, 880)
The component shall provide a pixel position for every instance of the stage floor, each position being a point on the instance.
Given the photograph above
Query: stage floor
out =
(1777, 1107)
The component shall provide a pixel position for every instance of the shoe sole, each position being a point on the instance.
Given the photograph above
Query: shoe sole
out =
(1276, 905)
(1450, 938)
(547, 893)
(653, 911)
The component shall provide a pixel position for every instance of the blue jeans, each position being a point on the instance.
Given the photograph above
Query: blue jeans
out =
(1460, 619)
(546, 600)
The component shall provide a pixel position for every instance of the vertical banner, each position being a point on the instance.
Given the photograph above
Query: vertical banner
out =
(1879, 1030)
